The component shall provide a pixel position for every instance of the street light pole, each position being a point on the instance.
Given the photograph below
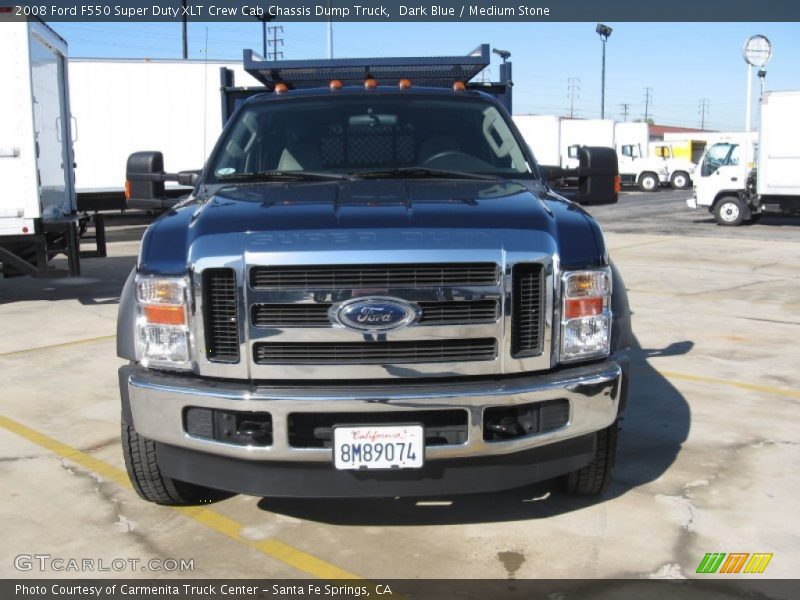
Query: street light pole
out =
(603, 31)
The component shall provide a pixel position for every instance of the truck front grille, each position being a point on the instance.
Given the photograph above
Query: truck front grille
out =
(527, 310)
(333, 277)
(220, 315)
(466, 312)
(375, 353)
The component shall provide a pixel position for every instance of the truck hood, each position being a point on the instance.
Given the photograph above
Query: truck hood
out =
(388, 210)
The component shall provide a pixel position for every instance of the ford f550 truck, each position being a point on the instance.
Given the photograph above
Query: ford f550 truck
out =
(371, 292)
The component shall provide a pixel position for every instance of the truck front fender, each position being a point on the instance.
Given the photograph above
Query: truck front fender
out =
(126, 318)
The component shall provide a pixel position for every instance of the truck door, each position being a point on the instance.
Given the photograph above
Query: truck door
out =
(51, 124)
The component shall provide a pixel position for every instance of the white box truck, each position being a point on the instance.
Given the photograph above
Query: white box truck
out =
(38, 218)
(749, 174)
(124, 105)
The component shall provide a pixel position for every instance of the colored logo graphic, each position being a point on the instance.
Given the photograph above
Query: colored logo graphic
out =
(735, 562)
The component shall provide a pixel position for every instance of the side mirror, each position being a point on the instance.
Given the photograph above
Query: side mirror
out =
(598, 176)
(572, 151)
(144, 182)
(144, 177)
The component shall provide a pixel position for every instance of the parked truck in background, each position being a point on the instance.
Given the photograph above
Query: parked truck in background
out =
(38, 212)
(371, 291)
(555, 139)
(749, 174)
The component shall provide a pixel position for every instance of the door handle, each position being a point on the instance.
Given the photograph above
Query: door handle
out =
(734, 179)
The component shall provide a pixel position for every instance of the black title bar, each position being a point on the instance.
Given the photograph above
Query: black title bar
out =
(407, 11)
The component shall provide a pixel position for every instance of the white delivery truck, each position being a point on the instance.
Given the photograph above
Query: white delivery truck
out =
(554, 141)
(124, 105)
(38, 218)
(748, 174)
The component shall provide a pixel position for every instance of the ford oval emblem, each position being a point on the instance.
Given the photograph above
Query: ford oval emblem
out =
(374, 314)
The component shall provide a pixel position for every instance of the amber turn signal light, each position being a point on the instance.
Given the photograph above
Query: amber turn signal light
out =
(165, 315)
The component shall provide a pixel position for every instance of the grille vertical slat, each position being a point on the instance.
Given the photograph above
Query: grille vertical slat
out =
(527, 310)
(220, 315)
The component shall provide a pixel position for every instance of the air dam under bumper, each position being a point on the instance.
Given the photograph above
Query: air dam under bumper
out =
(155, 402)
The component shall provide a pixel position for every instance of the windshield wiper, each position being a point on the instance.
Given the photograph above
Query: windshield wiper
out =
(283, 175)
(422, 172)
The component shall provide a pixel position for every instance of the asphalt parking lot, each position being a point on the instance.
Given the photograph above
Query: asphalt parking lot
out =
(708, 459)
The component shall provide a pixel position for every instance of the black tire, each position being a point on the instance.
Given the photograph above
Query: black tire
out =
(680, 180)
(648, 182)
(149, 482)
(594, 478)
(730, 211)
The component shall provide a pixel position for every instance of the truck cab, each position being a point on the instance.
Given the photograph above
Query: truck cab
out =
(371, 291)
(721, 178)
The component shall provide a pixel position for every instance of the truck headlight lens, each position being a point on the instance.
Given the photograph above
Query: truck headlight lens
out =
(585, 314)
(162, 330)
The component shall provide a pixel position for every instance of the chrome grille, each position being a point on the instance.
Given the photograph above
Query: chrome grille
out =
(350, 353)
(459, 313)
(527, 306)
(220, 316)
(466, 312)
(290, 315)
(334, 277)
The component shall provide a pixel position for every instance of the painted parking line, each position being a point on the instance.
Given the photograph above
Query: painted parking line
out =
(275, 549)
(753, 387)
(96, 340)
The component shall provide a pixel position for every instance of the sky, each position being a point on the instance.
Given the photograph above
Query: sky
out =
(682, 63)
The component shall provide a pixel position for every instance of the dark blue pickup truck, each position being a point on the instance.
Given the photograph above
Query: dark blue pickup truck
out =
(371, 291)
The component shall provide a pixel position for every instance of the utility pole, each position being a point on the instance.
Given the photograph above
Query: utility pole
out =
(703, 109)
(626, 109)
(274, 30)
(648, 101)
(185, 31)
(573, 91)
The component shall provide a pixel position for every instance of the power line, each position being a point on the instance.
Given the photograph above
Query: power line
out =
(273, 30)
(648, 101)
(573, 92)
(703, 109)
(626, 109)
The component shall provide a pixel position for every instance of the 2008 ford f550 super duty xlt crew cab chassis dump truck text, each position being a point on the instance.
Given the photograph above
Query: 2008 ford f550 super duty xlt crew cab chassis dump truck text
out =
(371, 291)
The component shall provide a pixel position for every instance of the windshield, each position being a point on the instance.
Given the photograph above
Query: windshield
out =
(719, 155)
(403, 135)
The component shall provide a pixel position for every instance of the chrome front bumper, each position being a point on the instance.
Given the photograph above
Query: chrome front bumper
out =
(157, 402)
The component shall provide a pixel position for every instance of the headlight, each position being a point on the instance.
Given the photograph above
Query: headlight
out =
(162, 332)
(585, 314)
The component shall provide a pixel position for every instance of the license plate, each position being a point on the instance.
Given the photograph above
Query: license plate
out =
(378, 447)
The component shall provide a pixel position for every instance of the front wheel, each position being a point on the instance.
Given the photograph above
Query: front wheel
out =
(648, 182)
(141, 462)
(730, 211)
(679, 180)
(594, 478)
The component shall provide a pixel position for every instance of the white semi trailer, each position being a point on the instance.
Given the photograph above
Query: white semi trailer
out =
(746, 175)
(124, 105)
(38, 216)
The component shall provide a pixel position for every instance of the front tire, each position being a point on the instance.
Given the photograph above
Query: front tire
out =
(648, 182)
(730, 211)
(141, 462)
(680, 180)
(594, 478)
